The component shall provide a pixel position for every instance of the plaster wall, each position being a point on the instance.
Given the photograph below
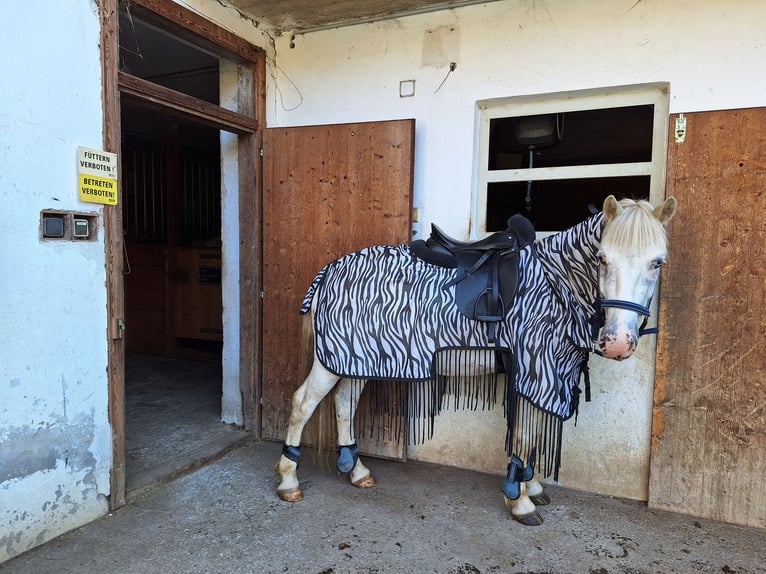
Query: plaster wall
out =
(55, 439)
(711, 54)
(231, 398)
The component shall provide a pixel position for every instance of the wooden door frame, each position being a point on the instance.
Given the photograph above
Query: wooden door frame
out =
(248, 124)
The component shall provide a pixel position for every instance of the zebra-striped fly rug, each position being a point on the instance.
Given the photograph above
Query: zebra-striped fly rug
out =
(382, 314)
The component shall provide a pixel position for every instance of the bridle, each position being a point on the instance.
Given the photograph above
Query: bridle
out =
(598, 319)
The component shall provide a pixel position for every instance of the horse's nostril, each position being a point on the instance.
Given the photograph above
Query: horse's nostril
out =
(617, 347)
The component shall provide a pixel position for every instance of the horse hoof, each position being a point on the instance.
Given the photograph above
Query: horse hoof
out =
(540, 499)
(532, 519)
(367, 481)
(291, 494)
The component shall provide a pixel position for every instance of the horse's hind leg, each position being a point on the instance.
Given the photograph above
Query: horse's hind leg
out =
(346, 400)
(319, 382)
(536, 492)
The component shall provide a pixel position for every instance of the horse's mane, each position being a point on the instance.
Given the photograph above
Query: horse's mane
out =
(635, 228)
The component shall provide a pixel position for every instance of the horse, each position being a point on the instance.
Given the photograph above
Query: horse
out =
(389, 313)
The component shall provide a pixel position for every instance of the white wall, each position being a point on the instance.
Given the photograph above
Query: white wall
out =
(712, 54)
(55, 442)
(231, 396)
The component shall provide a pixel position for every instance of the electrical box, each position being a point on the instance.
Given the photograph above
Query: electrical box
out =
(53, 226)
(61, 225)
(80, 228)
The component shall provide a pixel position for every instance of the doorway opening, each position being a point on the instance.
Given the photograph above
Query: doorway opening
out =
(174, 270)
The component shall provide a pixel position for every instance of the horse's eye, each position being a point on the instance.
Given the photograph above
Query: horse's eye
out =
(602, 260)
(657, 263)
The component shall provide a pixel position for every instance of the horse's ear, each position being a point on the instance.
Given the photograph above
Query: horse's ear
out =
(611, 208)
(666, 211)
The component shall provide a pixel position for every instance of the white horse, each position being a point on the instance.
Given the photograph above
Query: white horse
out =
(608, 275)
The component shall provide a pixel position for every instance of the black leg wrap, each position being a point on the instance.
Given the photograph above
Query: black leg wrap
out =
(292, 453)
(347, 457)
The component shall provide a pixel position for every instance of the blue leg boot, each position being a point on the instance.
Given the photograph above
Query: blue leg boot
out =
(347, 457)
(512, 484)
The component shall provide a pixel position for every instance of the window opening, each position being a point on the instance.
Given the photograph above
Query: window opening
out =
(153, 54)
(550, 157)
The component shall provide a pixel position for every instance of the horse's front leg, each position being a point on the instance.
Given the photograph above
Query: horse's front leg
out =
(521, 491)
(319, 382)
(346, 401)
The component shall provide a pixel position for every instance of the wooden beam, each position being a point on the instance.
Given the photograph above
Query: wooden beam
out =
(181, 105)
(185, 24)
(250, 252)
(113, 246)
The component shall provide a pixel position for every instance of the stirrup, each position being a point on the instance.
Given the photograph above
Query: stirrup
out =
(292, 453)
(348, 455)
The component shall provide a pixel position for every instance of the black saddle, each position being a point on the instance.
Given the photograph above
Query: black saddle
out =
(487, 270)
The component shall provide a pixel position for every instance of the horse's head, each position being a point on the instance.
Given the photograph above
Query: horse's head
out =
(632, 252)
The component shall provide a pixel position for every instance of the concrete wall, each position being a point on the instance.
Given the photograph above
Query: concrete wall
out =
(55, 441)
(712, 54)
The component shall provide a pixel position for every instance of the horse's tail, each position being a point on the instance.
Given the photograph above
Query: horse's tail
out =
(307, 345)
(321, 428)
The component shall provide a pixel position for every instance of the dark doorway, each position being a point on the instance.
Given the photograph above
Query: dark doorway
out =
(171, 216)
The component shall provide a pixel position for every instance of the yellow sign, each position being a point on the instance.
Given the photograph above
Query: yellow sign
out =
(97, 189)
(97, 176)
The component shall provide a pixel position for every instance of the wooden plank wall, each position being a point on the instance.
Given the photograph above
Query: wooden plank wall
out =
(199, 308)
(328, 191)
(146, 312)
(709, 424)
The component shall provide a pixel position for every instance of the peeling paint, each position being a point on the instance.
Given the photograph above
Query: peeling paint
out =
(27, 449)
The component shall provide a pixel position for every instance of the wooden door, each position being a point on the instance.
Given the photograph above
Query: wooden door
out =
(328, 191)
(709, 422)
(198, 305)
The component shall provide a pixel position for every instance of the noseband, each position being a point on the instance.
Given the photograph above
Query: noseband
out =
(599, 317)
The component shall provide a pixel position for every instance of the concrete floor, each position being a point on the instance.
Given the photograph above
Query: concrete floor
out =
(226, 517)
(172, 419)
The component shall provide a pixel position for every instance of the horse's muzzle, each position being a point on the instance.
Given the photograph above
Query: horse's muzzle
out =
(618, 345)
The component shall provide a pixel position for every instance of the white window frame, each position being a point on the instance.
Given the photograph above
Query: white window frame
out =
(656, 94)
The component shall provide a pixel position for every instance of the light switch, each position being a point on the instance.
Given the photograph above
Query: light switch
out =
(53, 226)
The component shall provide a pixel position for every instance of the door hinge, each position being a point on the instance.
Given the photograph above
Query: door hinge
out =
(260, 152)
(680, 129)
(118, 328)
